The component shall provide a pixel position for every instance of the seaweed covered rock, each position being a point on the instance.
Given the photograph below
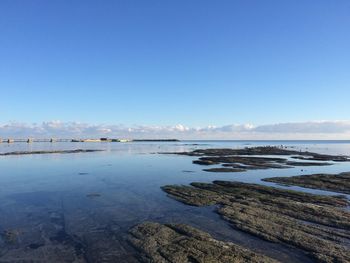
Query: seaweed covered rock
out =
(267, 150)
(179, 243)
(330, 182)
(315, 224)
(253, 158)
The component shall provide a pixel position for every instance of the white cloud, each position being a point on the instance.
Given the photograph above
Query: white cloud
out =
(300, 130)
(307, 127)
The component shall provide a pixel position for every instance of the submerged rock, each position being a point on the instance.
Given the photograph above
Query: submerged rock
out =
(205, 162)
(179, 243)
(224, 170)
(10, 236)
(93, 195)
(312, 223)
(291, 163)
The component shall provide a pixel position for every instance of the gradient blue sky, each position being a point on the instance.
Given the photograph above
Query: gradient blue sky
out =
(164, 62)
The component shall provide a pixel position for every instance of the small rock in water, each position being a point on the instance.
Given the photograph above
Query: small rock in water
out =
(10, 236)
(92, 195)
(35, 246)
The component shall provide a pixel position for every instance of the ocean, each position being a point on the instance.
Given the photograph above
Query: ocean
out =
(59, 205)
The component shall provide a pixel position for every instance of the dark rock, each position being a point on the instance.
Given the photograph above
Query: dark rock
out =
(179, 243)
(291, 163)
(243, 159)
(205, 162)
(288, 217)
(330, 182)
(35, 246)
(224, 170)
(93, 195)
(10, 236)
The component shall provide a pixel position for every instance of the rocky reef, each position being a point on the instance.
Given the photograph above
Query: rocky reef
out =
(330, 182)
(313, 223)
(267, 150)
(179, 243)
(239, 160)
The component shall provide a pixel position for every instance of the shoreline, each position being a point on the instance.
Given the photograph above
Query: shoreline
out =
(50, 152)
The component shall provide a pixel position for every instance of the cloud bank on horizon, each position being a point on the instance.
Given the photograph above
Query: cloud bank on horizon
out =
(292, 130)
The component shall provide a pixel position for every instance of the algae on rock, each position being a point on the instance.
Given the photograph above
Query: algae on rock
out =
(313, 223)
(179, 243)
(329, 182)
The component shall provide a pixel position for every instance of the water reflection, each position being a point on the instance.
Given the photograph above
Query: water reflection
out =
(78, 207)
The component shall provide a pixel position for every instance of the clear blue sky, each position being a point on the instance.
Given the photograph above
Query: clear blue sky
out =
(164, 62)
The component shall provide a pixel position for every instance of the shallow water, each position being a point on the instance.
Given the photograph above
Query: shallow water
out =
(61, 204)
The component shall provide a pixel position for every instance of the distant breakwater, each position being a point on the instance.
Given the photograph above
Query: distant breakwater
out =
(52, 140)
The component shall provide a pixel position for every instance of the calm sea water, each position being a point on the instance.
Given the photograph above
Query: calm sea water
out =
(57, 206)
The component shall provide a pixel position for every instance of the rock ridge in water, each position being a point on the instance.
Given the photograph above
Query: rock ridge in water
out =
(179, 243)
(254, 158)
(329, 182)
(315, 224)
